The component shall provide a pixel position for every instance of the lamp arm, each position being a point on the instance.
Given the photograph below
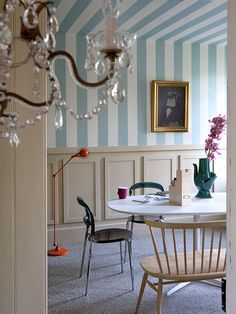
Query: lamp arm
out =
(63, 165)
(72, 65)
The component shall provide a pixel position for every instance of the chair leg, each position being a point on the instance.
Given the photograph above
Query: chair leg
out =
(159, 297)
(89, 259)
(84, 250)
(130, 263)
(143, 284)
(121, 257)
(161, 219)
(127, 228)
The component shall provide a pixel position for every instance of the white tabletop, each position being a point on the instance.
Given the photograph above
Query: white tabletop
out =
(199, 206)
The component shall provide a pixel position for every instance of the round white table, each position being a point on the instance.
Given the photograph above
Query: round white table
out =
(131, 205)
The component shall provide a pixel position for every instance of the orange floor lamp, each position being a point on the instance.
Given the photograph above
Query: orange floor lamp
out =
(57, 251)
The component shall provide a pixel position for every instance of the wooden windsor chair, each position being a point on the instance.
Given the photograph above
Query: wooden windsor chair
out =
(177, 258)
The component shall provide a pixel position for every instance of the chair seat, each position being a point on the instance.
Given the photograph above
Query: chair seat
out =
(150, 265)
(140, 219)
(111, 235)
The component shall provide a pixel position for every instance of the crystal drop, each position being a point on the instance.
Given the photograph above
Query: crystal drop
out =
(36, 94)
(89, 62)
(9, 7)
(36, 70)
(40, 59)
(38, 116)
(2, 120)
(14, 139)
(100, 67)
(96, 110)
(2, 96)
(6, 74)
(5, 37)
(3, 17)
(62, 103)
(44, 109)
(50, 41)
(124, 59)
(53, 24)
(117, 92)
(30, 18)
(3, 85)
(52, 10)
(58, 119)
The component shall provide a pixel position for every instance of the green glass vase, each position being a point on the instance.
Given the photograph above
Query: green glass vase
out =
(203, 178)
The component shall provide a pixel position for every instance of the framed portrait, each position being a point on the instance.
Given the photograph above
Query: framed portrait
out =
(170, 106)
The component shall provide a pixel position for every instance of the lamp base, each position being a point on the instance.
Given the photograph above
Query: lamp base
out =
(58, 251)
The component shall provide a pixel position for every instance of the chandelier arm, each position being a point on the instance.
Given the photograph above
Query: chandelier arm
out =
(19, 98)
(66, 55)
(43, 5)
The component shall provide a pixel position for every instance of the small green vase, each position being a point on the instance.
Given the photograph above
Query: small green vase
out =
(203, 178)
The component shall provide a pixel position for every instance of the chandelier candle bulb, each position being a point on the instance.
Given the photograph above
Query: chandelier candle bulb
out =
(111, 27)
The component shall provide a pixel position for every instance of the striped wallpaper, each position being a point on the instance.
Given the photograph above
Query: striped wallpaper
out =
(204, 66)
(166, 52)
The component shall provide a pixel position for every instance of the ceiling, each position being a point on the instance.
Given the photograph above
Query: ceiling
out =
(201, 21)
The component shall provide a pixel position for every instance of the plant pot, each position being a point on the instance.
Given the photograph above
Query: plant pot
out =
(203, 178)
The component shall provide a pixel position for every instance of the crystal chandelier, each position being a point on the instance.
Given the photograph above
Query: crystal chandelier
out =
(107, 52)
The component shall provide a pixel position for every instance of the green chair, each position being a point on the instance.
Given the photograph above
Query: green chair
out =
(109, 235)
(140, 219)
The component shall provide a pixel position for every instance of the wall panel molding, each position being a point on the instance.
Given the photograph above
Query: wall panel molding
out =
(119, 171)
(160, 168)
(81, 178)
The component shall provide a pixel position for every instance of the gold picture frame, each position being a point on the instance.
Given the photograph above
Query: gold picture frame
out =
(170, 106)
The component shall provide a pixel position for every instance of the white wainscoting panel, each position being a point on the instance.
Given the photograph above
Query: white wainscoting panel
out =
(160, 168)
(81, 177)
(186, 162)
(119, 171)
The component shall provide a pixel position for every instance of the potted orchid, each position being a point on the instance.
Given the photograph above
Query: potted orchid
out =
(218, 126)
(204, 178)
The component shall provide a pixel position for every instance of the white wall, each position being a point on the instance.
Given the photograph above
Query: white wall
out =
(231, 217)
(23, 262)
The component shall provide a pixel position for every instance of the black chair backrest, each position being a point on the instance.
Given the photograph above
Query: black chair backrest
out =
(141, 185)
(88, 218)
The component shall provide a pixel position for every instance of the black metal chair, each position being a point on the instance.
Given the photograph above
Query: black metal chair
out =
(140, 219)
(110, 235)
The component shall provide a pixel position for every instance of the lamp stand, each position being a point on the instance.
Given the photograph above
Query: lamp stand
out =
(57, 251)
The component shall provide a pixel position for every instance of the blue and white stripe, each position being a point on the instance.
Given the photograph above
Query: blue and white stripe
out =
(177, 40)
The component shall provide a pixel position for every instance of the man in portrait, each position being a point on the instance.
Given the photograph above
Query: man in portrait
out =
(171, 108)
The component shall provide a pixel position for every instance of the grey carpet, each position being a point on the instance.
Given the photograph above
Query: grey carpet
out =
(110, 291)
